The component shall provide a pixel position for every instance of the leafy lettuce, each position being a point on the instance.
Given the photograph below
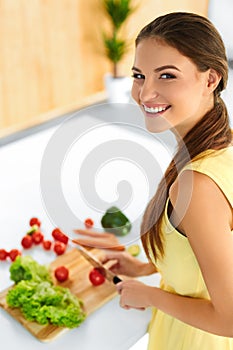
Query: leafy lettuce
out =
(26, 268)
(39, 299)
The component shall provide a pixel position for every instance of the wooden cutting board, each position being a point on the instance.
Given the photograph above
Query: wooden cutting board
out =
(93, 297)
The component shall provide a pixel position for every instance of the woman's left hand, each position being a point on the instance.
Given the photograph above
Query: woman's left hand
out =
(133, 294)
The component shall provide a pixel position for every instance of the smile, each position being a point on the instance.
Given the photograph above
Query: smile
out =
(155, 110)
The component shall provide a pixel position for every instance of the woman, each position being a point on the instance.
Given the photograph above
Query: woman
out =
(180, 68)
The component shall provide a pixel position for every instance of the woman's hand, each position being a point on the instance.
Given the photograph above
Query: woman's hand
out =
(134, 294)
(125, 264)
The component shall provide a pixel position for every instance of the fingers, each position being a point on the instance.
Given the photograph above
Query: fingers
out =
(130, 297)
(110, 256)
(126, 307)
(119, 287)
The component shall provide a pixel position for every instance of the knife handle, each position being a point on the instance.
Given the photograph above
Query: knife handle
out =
(116, 280)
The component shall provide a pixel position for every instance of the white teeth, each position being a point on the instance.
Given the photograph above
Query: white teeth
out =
(154, 110)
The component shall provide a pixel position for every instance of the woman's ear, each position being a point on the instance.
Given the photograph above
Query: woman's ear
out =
(213, 80)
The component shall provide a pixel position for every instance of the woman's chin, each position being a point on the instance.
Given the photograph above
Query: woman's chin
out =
(157, 125)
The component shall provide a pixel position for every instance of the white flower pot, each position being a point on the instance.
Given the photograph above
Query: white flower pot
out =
(118, 89)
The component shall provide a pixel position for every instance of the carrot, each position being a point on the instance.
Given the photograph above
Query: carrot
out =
(97, 243)
(95, 234)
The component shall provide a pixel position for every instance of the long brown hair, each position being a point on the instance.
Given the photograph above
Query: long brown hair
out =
(196, 38)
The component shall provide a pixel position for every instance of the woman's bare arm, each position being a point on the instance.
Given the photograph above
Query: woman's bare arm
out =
(207, 222)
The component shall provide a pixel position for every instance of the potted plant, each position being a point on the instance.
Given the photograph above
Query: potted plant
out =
(118, 11)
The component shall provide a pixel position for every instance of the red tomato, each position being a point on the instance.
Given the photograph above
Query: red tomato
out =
(88, 223)
(13, 253)
(96, 278)
(37, 237)
(61, 273)
(59, 248)
(58, 235)
(27, 242)
(3, 254)
(34, 221)
(47, 245)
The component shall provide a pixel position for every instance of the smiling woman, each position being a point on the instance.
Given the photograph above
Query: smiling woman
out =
(170, 93)
(187, 227)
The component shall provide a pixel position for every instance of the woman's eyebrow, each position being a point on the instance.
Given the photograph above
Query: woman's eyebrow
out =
(168, 66)
(159, 69)
(136, 69)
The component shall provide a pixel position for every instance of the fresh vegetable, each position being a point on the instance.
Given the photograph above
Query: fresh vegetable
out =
(13, 253)
(96, 277)
(61, 273)
(45, 303)
(58, 235)
(95, 234)
(116, 222)
(37, 237)
(134, 250)
(59, 248)
(27, 242)
(33, 229)
(34, 221)
(38, 299)
(89, 223)
(99, 243)
(3, 254)
(47, 244)
(26, 268)
(97, 239)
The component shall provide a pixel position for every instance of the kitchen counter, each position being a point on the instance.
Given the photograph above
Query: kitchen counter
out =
(21, 187)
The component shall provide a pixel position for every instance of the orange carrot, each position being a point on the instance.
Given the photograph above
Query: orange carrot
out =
(99, 243)
(95, 234)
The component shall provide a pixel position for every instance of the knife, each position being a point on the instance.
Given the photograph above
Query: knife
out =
(109, 275)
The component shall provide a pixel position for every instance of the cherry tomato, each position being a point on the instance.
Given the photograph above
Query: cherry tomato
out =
(89, 223)
(27, 242)
(3, 254)
(61, 273)
(37, 237)
(58, 235)
(47, 244)
(59, 248)
(34, 221)
(96, 278)
(13, 253)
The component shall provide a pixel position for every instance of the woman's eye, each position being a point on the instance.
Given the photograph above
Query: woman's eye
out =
(167, 76)
(138, 76)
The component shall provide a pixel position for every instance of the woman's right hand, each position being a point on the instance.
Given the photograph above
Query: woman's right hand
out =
(124, 263)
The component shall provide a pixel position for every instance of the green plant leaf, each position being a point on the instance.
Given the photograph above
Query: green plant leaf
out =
(118, 11)
(115, 48)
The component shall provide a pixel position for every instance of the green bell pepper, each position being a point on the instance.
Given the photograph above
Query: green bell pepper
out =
(116, 222)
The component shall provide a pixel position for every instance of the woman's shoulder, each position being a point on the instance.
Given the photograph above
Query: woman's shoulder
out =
(212, 159)
(218, 165)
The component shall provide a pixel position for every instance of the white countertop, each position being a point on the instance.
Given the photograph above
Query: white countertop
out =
(110, 327)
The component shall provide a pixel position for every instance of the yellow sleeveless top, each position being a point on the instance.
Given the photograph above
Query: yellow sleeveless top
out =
(180, 272)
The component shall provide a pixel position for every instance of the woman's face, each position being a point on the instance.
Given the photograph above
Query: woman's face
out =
(170, 90)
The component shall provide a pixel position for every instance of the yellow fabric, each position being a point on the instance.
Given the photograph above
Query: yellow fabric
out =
(180, 272)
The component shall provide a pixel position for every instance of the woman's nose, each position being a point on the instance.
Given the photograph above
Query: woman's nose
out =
(148, 91)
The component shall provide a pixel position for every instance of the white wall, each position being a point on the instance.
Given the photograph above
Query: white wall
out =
(220, 12)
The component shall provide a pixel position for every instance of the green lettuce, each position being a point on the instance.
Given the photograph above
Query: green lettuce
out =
(39, 299)
(26, 268)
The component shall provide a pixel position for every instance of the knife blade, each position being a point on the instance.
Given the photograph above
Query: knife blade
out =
(109, 275)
